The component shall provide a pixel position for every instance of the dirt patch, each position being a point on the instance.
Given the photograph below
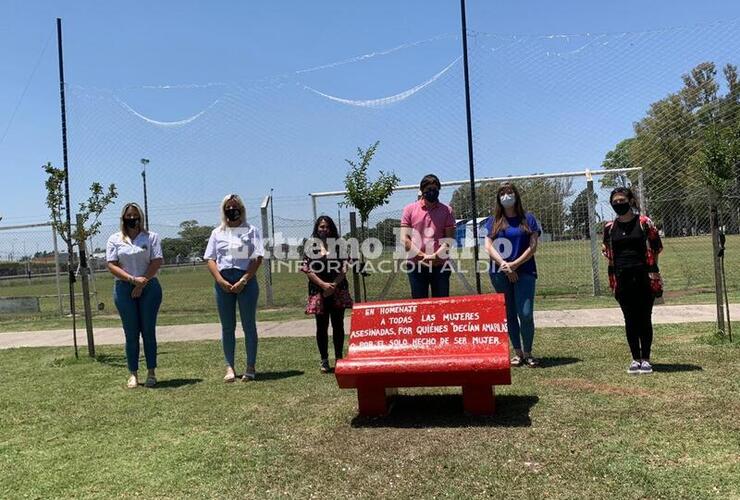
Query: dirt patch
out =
(599, 388)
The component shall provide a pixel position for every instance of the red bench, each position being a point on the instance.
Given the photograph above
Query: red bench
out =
(456, 341)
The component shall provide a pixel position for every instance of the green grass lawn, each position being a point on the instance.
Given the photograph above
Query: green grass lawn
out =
(579, 427)
(564, 282)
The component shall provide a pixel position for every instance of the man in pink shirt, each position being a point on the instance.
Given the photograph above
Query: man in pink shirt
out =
(427, 230)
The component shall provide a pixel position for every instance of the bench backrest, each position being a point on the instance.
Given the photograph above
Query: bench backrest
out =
(465, 325)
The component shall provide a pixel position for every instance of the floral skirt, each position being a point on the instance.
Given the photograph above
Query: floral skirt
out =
(316, 304)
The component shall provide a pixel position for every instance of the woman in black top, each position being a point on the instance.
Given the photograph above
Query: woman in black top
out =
(328, 293)
(632, 244)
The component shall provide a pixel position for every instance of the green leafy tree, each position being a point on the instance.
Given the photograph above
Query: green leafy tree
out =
(617, 159)
(366, 195)
(669, 144)
(90, 209)
(385, 231)
(363, 194)
(579, 213)
(194, 236)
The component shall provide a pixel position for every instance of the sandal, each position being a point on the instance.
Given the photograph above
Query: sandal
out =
(133, 382)
(229, 377)
(517, 361)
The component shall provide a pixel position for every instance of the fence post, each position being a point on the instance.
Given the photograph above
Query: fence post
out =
(57, 271)
(718, 282)
(643, 195)
(84, 271)
(355, 274)
(313, 207)
(595, 257)
(268, 251)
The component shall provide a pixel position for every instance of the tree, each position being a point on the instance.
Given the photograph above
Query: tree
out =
(579, 213)
(617, 159)
(366, 195)
(544, 197)
(485, 198)
(385, 231)
(88, 226)
(90, 209)
(194, 236)
(667, 145)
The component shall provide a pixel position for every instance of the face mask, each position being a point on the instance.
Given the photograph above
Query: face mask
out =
(323, 233)
(131, 223)
(621, 208)
(508, 200)
(431, 195)
(232, 214)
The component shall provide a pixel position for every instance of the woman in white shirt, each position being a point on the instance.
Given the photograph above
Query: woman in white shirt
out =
(234, 253)
(134, 256)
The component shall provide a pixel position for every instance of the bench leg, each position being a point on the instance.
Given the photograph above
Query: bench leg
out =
(478, 399)
(372, 401)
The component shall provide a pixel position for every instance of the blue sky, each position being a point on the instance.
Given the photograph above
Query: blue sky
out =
(126, 45)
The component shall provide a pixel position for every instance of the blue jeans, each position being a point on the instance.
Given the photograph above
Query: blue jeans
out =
(139, 317)
(422, 278)
(519, 308)
(227, 302)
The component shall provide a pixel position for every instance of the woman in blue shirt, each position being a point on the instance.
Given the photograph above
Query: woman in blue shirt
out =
(511, 244)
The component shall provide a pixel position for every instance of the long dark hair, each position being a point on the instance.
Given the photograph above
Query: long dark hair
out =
(333, 231)
(499, 218)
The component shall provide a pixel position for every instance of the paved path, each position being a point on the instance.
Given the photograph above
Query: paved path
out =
(305, 327)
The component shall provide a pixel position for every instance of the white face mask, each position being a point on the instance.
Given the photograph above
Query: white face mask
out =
(508, 200)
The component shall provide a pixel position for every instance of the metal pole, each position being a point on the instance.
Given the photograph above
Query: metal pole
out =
(643, 196)
(339, 219)
(313, 206)
(267, 264)
(471, 164)
(272, 216)
(70, 251)
(595, 257)
(56, 270)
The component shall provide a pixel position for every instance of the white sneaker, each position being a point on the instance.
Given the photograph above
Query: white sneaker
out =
(133, 382)
(634, 367)
(645, 367)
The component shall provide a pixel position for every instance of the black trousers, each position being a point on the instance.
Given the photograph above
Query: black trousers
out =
(636, 300)
(335, 315)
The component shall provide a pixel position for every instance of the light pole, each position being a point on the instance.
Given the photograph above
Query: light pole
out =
(144, 163)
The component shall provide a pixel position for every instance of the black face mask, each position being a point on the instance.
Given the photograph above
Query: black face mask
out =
(232, 214)
(131, 223)
(323, 233)
(431, 195)
(621, 208)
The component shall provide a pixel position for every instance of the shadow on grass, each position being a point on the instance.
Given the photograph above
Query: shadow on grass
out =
(116, 360)
(176, 382)
(676, 367)
(264, 376)
(446, 410)
(553, 362)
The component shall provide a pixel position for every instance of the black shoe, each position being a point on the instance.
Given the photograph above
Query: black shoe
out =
(325, 366)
